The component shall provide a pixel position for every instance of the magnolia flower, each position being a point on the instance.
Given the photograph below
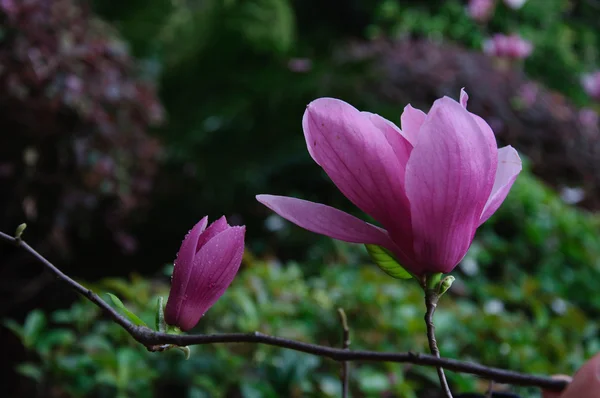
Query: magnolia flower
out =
(206, 264)
(591, 84)
(512, 46)
(430, 185)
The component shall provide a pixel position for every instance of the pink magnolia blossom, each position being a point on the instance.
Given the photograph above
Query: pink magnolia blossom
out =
(430, 185)
(591, 84)
(207, 262)
(511, 46)
(481, 10)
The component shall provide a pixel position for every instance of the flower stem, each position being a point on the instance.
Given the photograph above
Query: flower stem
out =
(431, 300)
(344, 376)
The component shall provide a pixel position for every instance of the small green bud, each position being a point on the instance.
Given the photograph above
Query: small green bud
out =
(445, 284)
(186, 351)
(20, 230)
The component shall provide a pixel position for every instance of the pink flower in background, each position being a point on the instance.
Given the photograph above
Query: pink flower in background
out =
(591, 84)
(207, 262)
(430, 184)
(588, 117)
(511, 46)
(300, 65)
(528, 93)
(481, 10)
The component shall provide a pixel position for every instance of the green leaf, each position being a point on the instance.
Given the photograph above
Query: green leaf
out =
(387, 262)
(130, 315)
(14, 326)
(30, 370)
(373, 382)
(55, 338)
(33, 327)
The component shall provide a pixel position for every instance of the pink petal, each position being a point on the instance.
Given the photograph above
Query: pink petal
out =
(184, 261)
(485, 128)
(325, 220)
(357, 156)
(509, 167)
(411, 121)
(464, 98)
(215, 266)
(213, 229)
(448, 180)
(393, 135)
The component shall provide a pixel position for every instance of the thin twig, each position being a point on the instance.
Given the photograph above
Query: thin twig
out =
(155, 341)
(431, 300)
(490, 390)
(345, 345)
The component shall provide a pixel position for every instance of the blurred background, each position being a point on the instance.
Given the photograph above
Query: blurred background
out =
(125, 122)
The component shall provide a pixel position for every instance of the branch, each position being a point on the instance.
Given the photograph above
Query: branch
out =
(155, 341)
(431, 300)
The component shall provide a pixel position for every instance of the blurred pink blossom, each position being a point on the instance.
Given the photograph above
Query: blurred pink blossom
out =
(127, 242)
(481, 10)
(528, 93)
(300, 65)
(588, 117)
(511, 46)
(8, 6)
(591, 84)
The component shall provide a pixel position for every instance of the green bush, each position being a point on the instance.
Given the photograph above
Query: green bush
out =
(524, 300)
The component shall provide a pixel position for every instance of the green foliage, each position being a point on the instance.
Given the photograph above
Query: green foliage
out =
(524, 299)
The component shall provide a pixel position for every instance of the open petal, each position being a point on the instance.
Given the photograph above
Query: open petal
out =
(215, 266)
(411, 121)
(464, 98)
(393, 135)
(326, 220)
(357, 156)
(509, 167)
(483, 126)
(448, 180)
